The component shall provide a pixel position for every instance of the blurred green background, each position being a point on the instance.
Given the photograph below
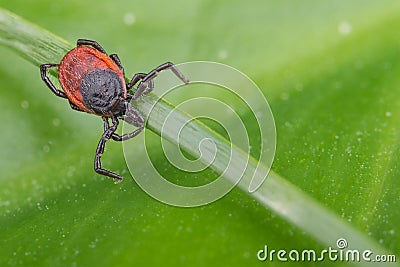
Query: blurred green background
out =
(329, 70)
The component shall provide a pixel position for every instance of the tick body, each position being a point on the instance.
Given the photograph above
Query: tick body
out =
(94, 82)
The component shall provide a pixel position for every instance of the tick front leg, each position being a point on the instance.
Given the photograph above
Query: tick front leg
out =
(167, 65)
(135, 79)
(133, 117)
(127, 136)
(147, 83)
(108, 133)
(117, 137)
(143, 89)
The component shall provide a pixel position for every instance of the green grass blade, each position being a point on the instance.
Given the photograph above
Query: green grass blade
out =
(40, 46)
(275, 193)
(30, 41)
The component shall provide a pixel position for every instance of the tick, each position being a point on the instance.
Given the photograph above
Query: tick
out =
(94, 82)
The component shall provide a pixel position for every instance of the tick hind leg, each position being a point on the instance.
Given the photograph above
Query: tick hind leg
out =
(117, 61)
(47, 81)
(91, 43)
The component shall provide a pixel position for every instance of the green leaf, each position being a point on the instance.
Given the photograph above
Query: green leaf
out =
(332, 87)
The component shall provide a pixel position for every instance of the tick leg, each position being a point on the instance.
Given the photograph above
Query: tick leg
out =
(140, 91)
(117, 137)
(127, 136)
(114, 136)
(143, 89)
(167, 65)
(147, 84)
(133, 117)
(75, 107)
(106, 123)
(108, 133)
(45, 78)
(135, 79)
(91, 43)
(117, 61)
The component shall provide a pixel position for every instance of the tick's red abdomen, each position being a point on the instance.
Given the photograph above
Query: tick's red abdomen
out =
(76, 64)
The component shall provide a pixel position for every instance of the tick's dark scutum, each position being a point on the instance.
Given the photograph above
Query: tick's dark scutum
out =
(100, 89)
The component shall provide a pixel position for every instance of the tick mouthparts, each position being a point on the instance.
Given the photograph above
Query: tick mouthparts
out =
(132, 116)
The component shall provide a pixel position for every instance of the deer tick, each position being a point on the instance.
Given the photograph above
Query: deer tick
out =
(94, 82)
